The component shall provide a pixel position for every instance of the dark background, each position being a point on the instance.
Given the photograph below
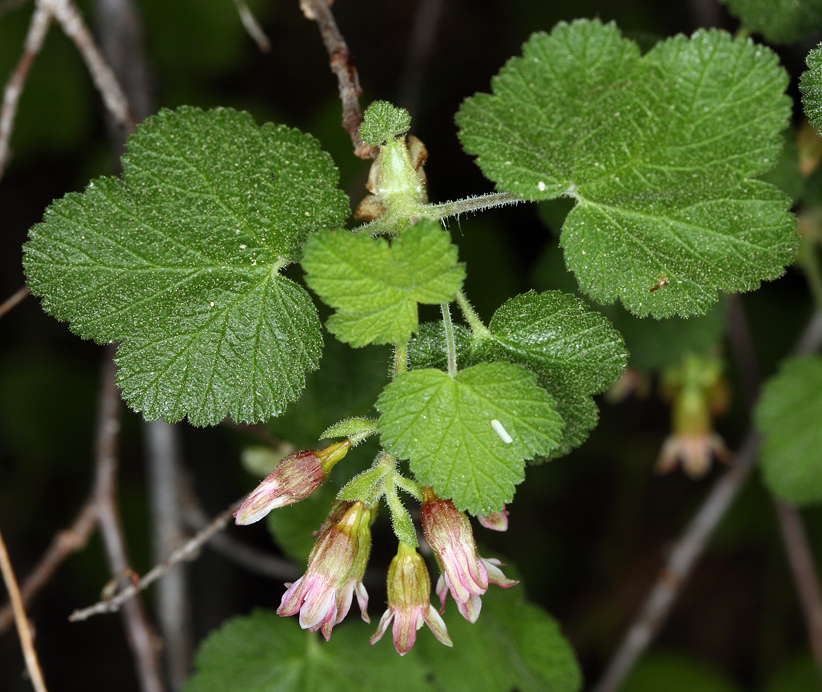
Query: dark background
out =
(588, 532)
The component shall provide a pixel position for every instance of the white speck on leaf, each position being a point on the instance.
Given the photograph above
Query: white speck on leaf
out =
(501, 432)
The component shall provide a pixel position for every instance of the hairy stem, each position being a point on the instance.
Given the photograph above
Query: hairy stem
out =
(478, 329)
(450, 343)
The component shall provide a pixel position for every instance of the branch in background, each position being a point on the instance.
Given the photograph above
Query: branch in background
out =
(172, 598)
(690, 545)
(140, 635)
(13, 301)
(63, 544)
(246, 556)
(423, 31)
(23, 629)
(187, 551)
(252, 26)
(804, 574)
(342, 65)
(38, 27)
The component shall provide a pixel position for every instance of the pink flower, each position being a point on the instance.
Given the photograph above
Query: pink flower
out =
(336, 565)
(408, 602)
(496, 521)
(295, 478)
(463, 572)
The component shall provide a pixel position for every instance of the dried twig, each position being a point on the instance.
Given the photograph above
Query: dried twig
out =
(38, 27)
(141, 638)
(252, 26)
(187, 551)
(690, 545)
(21, 620)
(342, 64)
(63, 544)
(14, 300)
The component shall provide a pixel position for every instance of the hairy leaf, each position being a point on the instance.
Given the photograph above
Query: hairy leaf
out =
(382, 121)
(376, 287)
(449, 430)
(514, 645)
(789, 415)
(180, 260)
(656, 150)
(810, 84)
(263, 652)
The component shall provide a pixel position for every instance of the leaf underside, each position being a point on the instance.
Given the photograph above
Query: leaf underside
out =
(658, 152)
(180, 261)
(779, 21)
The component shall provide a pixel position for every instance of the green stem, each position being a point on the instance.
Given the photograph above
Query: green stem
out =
(450, 343)
(409, 486)
(477, 327)
(400, 358)
(494, 199)
(809, 261)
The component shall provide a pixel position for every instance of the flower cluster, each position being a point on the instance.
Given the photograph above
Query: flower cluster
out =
(337, 562)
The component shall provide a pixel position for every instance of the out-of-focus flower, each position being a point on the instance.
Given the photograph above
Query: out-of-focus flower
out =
(336, 564)
(496, 521)
(295, 478)
(409, 605)
(463, 572)
(698, 391)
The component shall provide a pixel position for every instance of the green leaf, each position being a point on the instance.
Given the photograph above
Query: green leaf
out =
(789, 415)
(447, 429)
(382, 121)
(810, 84)
(266, 653)
(428, 349)
(375, 287)
(514, 645)
(779, 21)
(180, 261)
(657, 150)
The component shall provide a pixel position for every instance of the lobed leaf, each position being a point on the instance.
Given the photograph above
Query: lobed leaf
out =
(656, 150)
(810, 84)
(180, 261)
(375, 287)
(789, 416)
(447, 428)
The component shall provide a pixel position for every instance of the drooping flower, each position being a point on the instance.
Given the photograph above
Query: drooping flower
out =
(409, 605)
(463, 572)
(336, 564)
(496, 521)
(295, 478)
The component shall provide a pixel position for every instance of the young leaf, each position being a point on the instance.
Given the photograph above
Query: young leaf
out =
(789, 415)
(263, 652)
(180, 260)
(779, 21)
(375, 287)
(446, 428)
(382, 121)
(658, 152)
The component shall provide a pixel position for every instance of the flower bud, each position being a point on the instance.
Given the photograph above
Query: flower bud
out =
(409, 605)
(463, 572)
(336, 565)
(496, 521)
(295, 478)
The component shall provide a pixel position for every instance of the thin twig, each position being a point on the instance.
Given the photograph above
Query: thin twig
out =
(14, 300)
(102, 75)
(187, 551)
(141, 638)
(690, 545)
(21, 620)
(252, 26)
(246, 556)
(64, 543)
(38, 27)
(342, 65)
